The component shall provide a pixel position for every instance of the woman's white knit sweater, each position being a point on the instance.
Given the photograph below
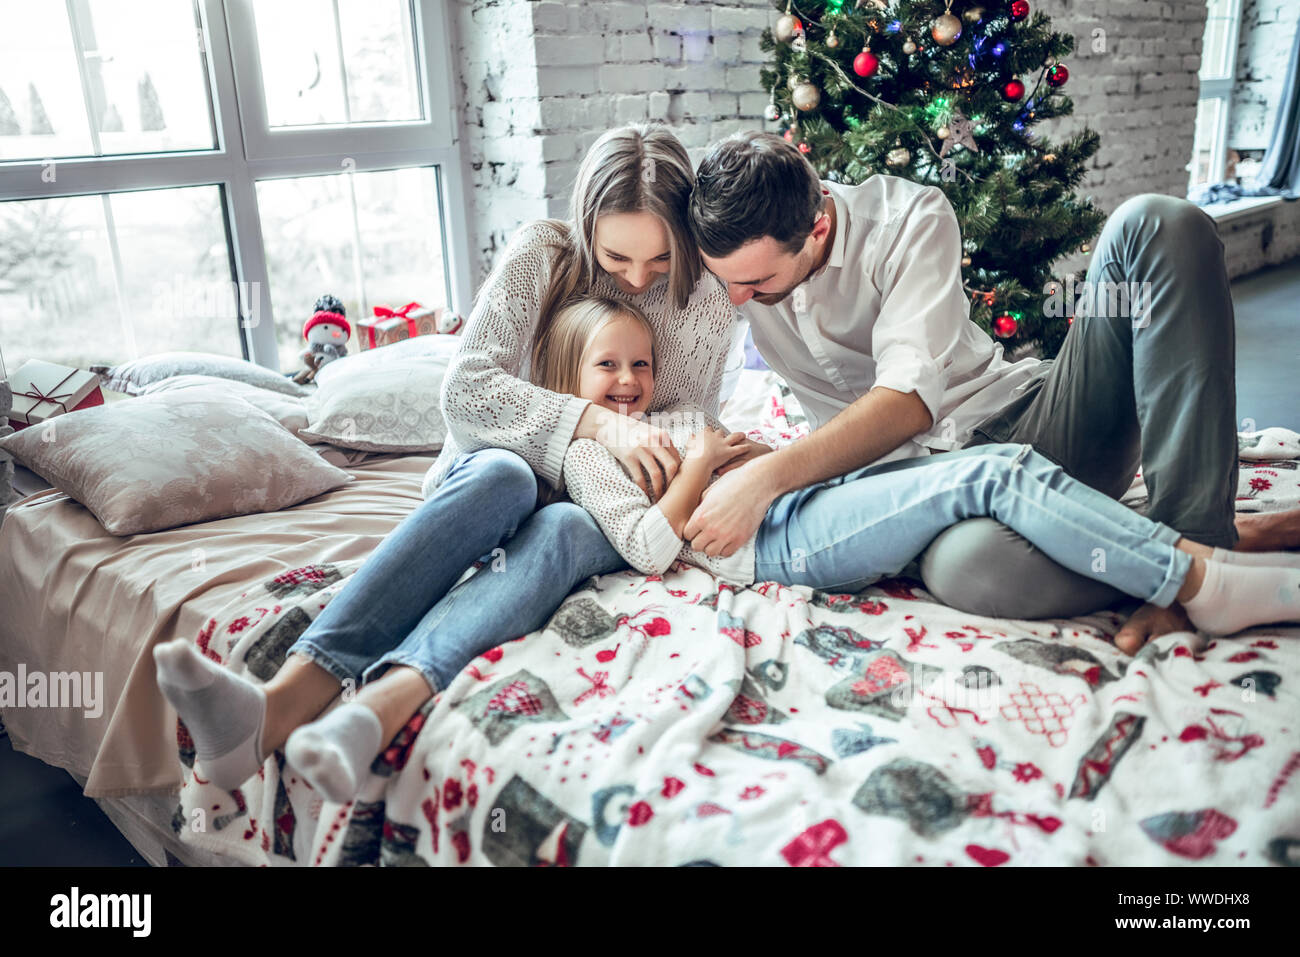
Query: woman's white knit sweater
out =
(487, 399)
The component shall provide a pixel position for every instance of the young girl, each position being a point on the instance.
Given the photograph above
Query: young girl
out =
(850, 531)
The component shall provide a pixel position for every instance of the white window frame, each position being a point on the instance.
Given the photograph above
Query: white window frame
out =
(304, 152)
(1219, 87)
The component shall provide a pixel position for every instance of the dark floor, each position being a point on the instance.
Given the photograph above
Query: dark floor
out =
(1268, 344)
(44, 819)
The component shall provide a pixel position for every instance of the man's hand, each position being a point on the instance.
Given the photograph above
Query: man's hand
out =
(752, 451)
(730, 512)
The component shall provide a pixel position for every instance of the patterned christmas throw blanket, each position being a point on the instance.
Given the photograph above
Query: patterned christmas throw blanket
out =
(670, 721)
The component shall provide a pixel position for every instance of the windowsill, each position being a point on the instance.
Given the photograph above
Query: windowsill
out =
(1241, 208)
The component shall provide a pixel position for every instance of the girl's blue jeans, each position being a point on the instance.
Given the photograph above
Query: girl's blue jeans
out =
(852, 530)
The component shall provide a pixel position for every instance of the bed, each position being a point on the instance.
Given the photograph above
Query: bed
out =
(664, 720)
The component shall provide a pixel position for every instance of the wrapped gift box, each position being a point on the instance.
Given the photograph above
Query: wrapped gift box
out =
(43, 390)
(387, 326)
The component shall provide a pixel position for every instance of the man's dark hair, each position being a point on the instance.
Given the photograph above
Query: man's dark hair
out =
(749, 186)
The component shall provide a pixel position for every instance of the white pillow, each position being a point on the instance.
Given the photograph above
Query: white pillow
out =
(435, 349)
(390, 407)
(289, 411)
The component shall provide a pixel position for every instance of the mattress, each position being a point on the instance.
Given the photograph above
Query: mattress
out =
(74, 598)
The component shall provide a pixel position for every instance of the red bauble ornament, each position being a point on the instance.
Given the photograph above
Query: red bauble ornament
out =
(1057, 75)
(865, 63)
(1005, 327)
(1019, 10)
(805, 148)
(1014, 90)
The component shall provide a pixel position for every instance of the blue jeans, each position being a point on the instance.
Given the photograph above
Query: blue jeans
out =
(848, 532)
(400, 606)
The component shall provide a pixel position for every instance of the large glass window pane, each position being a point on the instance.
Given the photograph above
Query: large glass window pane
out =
(1215, 54)
(1208, 114)
(95, 279)
(369, 238)
(118, 76)
(337, 61)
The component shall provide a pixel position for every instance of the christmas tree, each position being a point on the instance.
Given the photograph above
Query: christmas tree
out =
(946, 93)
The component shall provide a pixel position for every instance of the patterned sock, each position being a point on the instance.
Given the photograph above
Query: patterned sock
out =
(223, 712)
(1234, 597)
(334, 752)
(1269, 559)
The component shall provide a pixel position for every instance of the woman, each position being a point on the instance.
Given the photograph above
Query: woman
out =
(399, 620)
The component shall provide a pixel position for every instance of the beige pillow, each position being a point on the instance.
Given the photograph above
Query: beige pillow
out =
(158, 461)
(389, 408)
(288, 410)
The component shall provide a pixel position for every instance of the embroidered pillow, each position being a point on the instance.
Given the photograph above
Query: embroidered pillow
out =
(393, 407)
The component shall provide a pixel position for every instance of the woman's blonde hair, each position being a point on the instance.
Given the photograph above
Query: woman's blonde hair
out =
(633, 169)
(557, 365)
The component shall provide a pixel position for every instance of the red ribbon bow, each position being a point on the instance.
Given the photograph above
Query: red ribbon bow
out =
(383, 312)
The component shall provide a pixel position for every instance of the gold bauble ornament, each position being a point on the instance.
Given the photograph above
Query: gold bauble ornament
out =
(833, 41)
(1085, 248)
(792, 81)
(943, 132)
(946, 29)
(974, 14)
(965, 260)
(909, 47)
(806, 96)
(786, 27)
(898, 156)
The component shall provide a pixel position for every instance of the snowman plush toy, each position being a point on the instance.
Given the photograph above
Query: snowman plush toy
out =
(327, 333)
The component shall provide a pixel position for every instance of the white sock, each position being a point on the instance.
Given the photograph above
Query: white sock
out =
(1233, 597)
(334, 752)
(1270, 559)
(223, 712)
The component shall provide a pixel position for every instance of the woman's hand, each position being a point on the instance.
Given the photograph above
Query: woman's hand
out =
(716, 447)
(645, 451)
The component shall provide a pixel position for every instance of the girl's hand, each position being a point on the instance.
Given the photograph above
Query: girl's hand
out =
(751, 450)
(715, 446)
(645, 451)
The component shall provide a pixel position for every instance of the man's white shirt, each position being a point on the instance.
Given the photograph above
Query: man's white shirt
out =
(888, 309)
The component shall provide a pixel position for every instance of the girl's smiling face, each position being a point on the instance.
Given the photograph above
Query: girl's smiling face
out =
(618, 367)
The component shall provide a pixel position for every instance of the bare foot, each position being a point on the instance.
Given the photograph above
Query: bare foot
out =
(1151, 621)
(1268, 531)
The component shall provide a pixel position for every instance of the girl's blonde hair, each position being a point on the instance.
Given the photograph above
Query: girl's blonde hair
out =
(633, 169)
(557, 359)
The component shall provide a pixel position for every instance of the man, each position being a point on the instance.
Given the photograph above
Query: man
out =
(854, 296)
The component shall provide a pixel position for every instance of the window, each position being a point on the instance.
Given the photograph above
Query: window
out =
(145, 206)
(1218, 70)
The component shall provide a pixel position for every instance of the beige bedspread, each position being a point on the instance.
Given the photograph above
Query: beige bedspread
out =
(73, 598)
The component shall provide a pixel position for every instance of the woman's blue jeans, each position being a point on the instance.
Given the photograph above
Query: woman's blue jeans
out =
(848, 532)
(400, 606)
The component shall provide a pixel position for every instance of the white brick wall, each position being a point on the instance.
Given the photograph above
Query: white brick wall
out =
(544, 79)
(1263, 48)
